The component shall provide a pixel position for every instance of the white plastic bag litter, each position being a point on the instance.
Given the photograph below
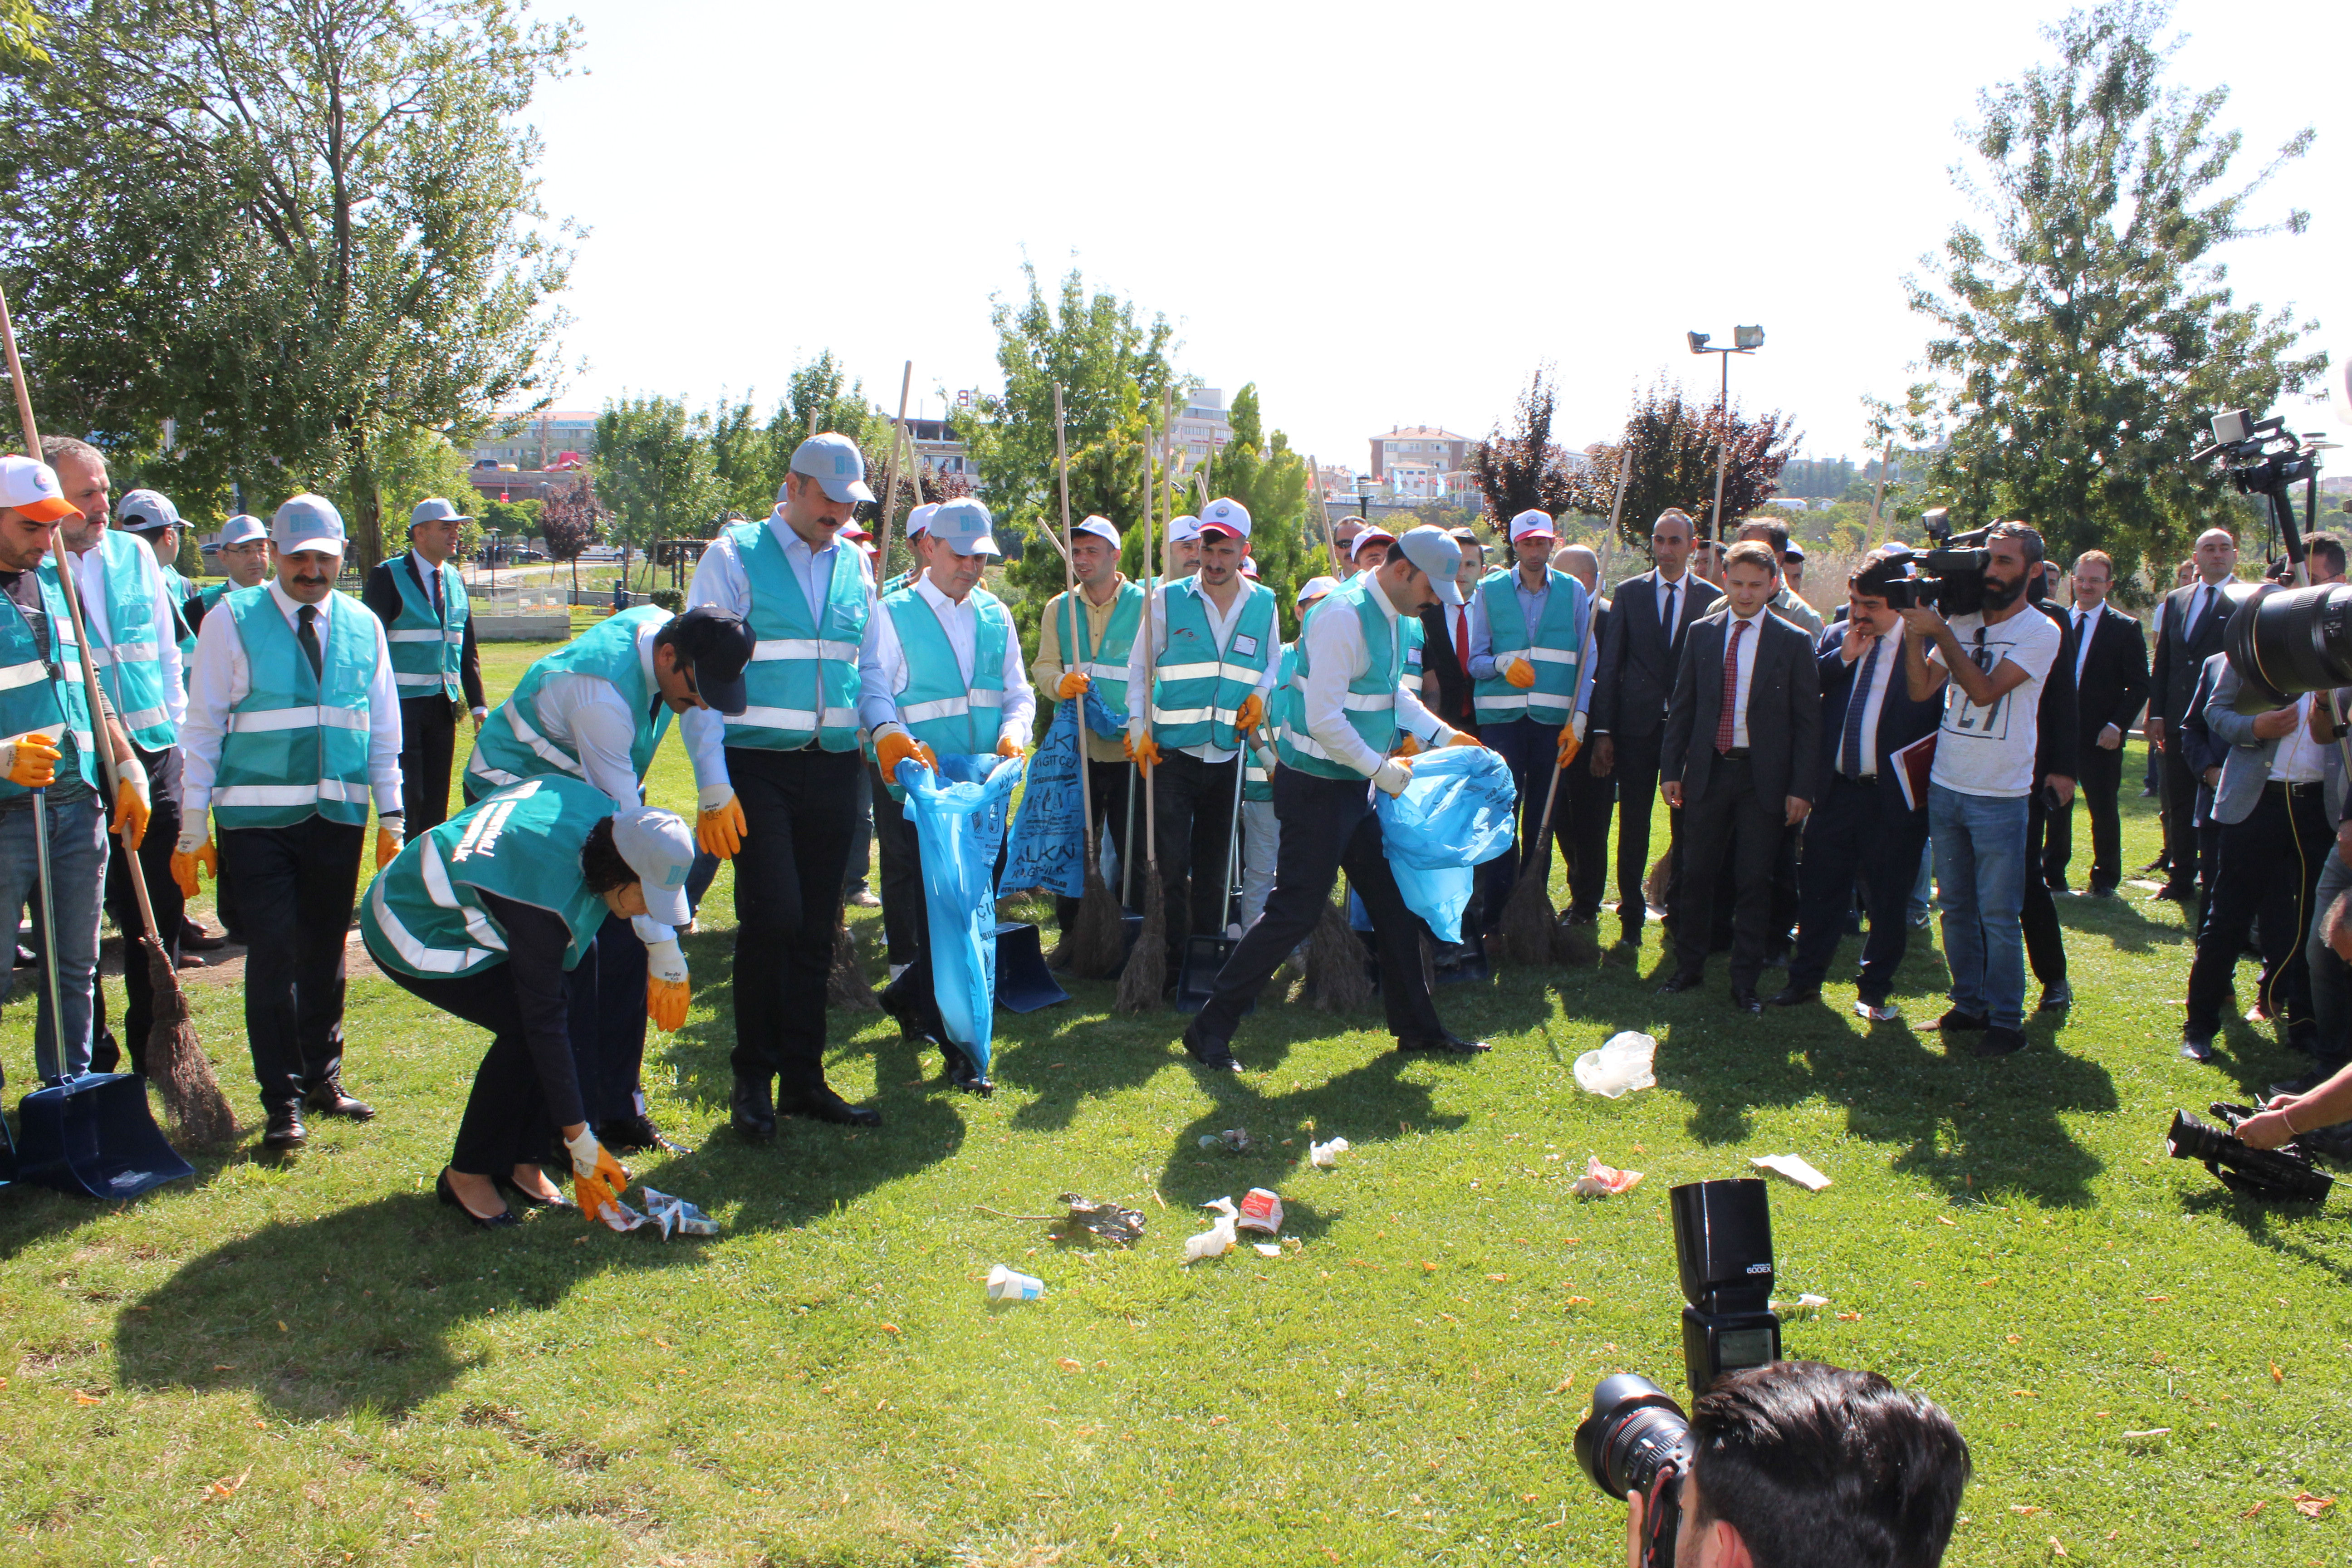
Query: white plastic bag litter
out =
(1618, 1066)
(1326, 1154)
(1796, 1167)
(1213, 1242)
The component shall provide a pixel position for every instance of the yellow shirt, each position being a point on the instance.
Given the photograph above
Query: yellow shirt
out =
(1045, 671)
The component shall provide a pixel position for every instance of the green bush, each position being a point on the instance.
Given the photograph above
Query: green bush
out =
(669, 599)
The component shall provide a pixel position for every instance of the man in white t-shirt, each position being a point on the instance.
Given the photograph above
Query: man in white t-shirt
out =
(1991, 664)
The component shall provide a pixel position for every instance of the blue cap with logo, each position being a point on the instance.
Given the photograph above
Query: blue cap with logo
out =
(660, 847)
(242, 529)
(146, 511)
(963, 525)
(835, 463)
(308, 522)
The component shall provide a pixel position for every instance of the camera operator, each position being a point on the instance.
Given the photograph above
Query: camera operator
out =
(1991, 664)
(1803, 1465)
(2329, 1101)
(2330, 1039)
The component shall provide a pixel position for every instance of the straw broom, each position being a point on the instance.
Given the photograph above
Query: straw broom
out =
(1146, 974)
(1094, 945)
(175, 1057)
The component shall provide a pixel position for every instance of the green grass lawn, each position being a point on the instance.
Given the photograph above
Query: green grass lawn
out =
(311, 1362)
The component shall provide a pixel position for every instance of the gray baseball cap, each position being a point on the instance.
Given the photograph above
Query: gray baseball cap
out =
(146, 511)
(835, 463)
(1435, 552)
(660, 847)
(308, 522)
(433, 508)
(242, 529)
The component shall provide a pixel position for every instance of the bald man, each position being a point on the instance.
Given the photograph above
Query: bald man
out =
(2189, 631)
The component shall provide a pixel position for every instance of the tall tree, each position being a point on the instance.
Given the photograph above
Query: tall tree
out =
(2087, 338)
(297, 230)
(1523, 468)
(1265, 475)
(1674, 443)
(653, 471)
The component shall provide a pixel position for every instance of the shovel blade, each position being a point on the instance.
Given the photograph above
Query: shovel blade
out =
(95, 1137)
(1024, 983)
(1204, 957)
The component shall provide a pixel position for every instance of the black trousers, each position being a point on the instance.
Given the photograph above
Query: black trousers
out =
(605, 1009)
(901, 873)
(122, 903)
(2095, 792)
(1728, 827)
(428, 750)
(2037, 914)
(1193, 807)
(1531, 751)
(1636, 772)
(1327, 826)
(1107, 790)
(800, 809)
(2179, 816)
(2269, 866)
(1580, 823)
(1853, 832)
(504, 1123)
(295, 891)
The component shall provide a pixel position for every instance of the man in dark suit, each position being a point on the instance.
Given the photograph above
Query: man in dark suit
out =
(1446, 631)
(422, 603)
(1739, 754)
(2188, 632)
(2110, 684)
(1649, 623)
(1860, 823)
(2055, 769)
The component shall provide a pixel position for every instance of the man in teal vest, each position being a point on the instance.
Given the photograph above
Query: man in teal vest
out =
(430, 626)
(1103, 618)
(1529, 636)
(293, 726)
(783, 800)
(1261, 829)
(941, 676)
(487, 917)
(1216, 642)
(242, 552)
(597, 709)
(1348, 706)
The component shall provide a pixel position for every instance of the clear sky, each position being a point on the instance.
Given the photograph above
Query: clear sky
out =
(1380, 214)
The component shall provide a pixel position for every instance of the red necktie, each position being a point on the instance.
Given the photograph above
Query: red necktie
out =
(1462, 636)
(1730, 688)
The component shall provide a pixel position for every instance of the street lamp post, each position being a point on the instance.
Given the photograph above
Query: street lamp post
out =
(1744, 340)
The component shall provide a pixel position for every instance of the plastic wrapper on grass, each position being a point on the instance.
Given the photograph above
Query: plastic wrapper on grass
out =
(1233, 1140)
(1090, 1221)
(1325, 1155)
(1213, 1242)
(1796, 1167)
(1620, 1067)
(1601, 1181)
(1012, 1285)
(1261, 1210)
(677, 1216)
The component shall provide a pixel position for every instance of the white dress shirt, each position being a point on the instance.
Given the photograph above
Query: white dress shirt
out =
(90, 582)
(1336, 654)
(1873, 701)
(2086, 623)
(2298, 760)
(1140, 659)
(221, 678)
(720, 582)
(1747, 672)
(1680, 589)
(882, 671)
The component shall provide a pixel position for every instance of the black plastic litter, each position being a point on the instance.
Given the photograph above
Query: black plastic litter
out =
(1090, 1221)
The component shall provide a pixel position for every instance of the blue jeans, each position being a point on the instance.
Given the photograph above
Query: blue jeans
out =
(1980, 883)
(78, 874)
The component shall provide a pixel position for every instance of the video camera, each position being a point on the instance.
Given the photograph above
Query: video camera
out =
(1951, 576)
(2274, 1176)
(2282, 642)
(1636, 1438)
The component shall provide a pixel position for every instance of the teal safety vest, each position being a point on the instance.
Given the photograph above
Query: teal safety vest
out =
(1414, 633)
(181, 592)
(38, 693)
(803, 678)
(296, 746)
(129, 665)
(423, 914)
(427, 646)
(1196, 692)
(1554, 648)
(936, 706)
(1257, 785)
(1105, 667)
(1370, 699)
(510, 747)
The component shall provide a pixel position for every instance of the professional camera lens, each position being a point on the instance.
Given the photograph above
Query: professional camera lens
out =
(2288, 641)
(1633, 1429)
(2190, 1139)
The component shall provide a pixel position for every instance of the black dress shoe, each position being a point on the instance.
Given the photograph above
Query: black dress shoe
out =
(105, 1053)
(2196, 1047)
(1999, 1041)
(635, 1135)
(1794, 996)
(448, 1194)
(823, 1105)
(903, 1011)
(285, 1130)
(1677, 985)
(1214, 1054)
(1445, 1041)
(328, 1098)
(516, 1192)
(195, 938)
(1743, 998)
(1955, 1021)
(2100, 893)
(2056, 999)
(754, 1111)
(963, 1073)
(2172, 895)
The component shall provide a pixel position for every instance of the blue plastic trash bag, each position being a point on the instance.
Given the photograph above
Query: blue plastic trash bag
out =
(958, 816)
(1454, 814)
(1049, 846)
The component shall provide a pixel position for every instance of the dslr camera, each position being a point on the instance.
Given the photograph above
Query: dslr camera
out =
(1636, 1438)
(1950, 577)
(2282, 642)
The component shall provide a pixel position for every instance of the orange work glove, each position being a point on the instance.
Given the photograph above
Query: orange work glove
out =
(1410, 746)
(898, 746)
(1006, 746)
(667, 988)
(1251, 712)
(132, 806)
(1072, 684)
(195, 854)
(390, 833)
(1519, 673)
(1570, 742)
(718, 826)
(30, 760)
(1463, 738)
(598, 1179)
(1143, 753)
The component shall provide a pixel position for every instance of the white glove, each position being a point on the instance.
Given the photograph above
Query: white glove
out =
(132, 771)
(1392, 777)
(664, 961)
(193, 831)
(584, 1151)
(710, 797)
(1577, 725)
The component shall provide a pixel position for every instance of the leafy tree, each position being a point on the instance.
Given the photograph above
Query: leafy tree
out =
(1675, 445)
(568, 524)
(410, 465)
(296, 230)
(1524, 468)
(2088, 336)
(653, 470)
(1265, 475)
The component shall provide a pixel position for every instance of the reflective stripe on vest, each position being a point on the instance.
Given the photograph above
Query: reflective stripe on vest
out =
(511, 747)
(938, 706)
(1369, 702)
(1195, 700)
(801, 682)
(427, 647)
(129, 662)
(35, 694)
(297, 745)
(1554, 649)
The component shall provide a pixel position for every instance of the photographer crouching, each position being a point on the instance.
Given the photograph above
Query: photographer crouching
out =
(2329, 1102)
(1801, 1465)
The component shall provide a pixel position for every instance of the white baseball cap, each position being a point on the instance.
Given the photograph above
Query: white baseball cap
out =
(660, 847)
(1183, 527)
(920, 519)
(243, 529)
(1100, 527)
(1370, 536)
(1532, 523)
(1223, 516)
(1435, 552)
(146, 511)
(1315, 588)
(963, 525)
(835, 463)
(433, 508)
(308, 522)
(31, 487)
(1249, 567)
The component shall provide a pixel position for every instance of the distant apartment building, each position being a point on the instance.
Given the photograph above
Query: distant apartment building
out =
(1429, 446)
(1201, 431)
(940, 450)
(535, 441)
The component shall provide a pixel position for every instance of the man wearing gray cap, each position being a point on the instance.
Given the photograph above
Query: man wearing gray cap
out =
(293, 724)
(783, 800)
(242, 554)
(430, 626)
(1350, 704)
